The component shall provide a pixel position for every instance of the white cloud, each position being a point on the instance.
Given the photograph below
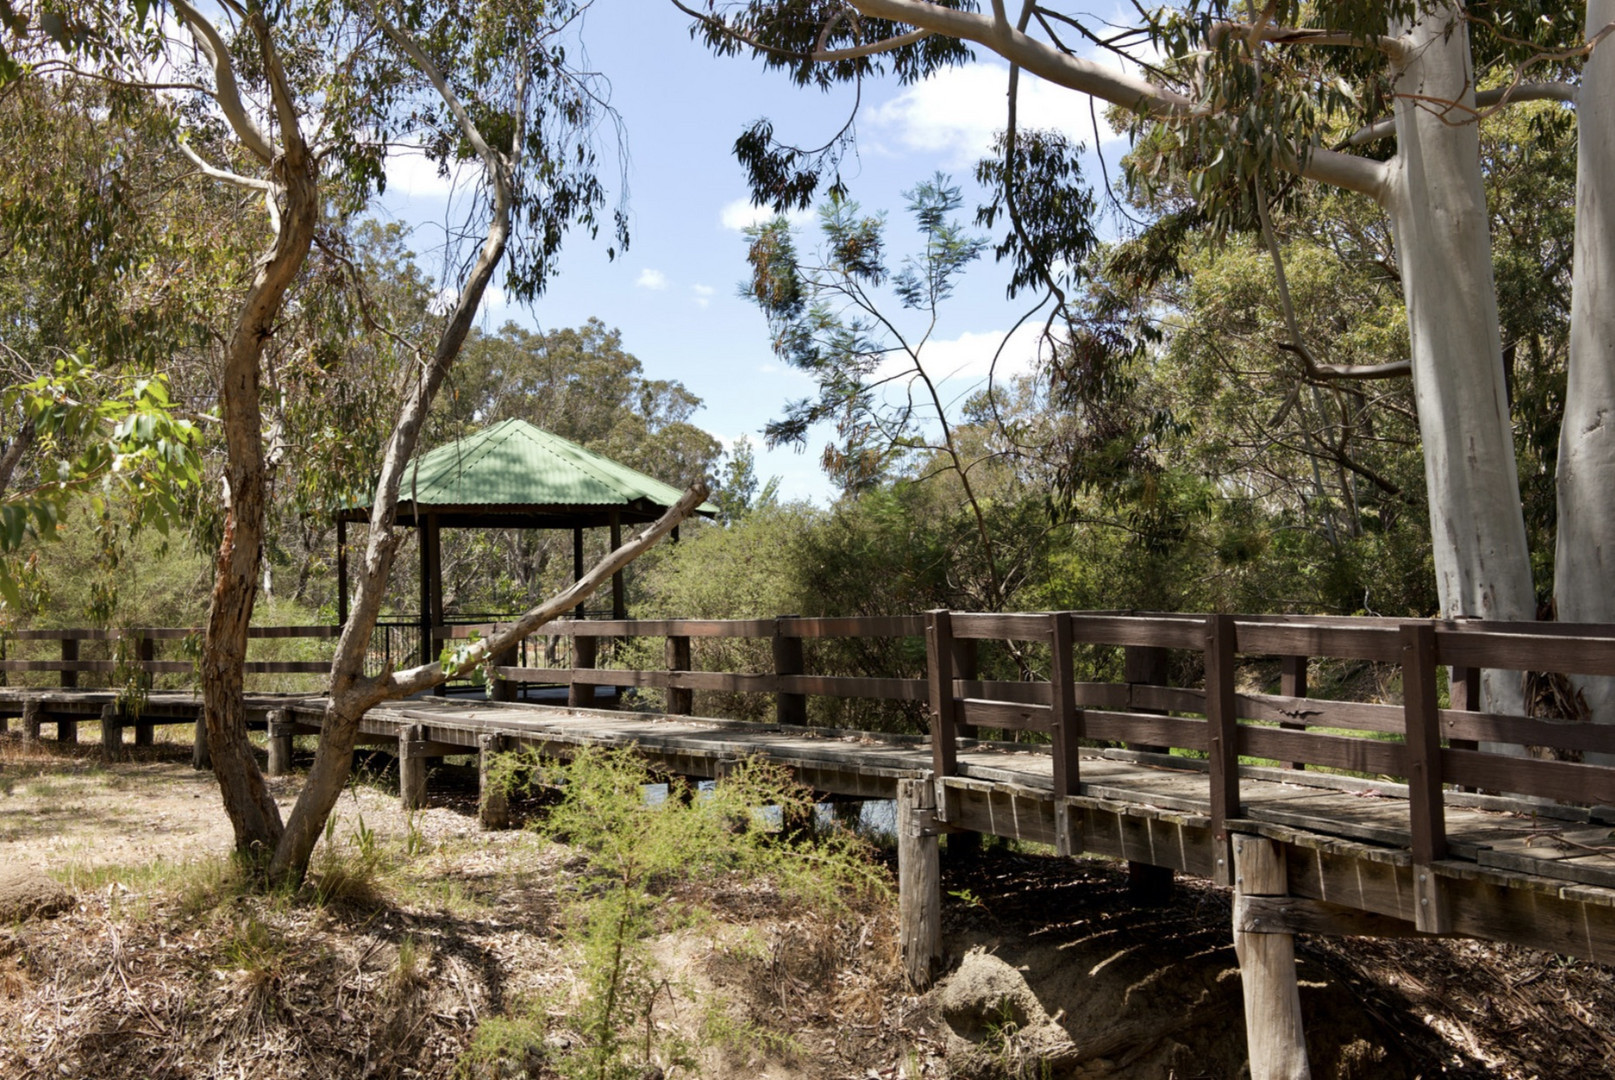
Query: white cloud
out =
(956, 112)
(703, 294)
(412, 174)
(654, 280)
(970, 355)
(740, 214)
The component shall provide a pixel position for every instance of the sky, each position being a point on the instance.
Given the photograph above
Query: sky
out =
(674, 293)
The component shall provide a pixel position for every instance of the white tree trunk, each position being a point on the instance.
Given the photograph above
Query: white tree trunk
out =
(1584, 573)
(1437, 206)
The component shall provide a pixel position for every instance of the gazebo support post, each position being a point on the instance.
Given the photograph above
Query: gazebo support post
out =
(619, 602)
(424, 544)
(434, 546)
(577, 563)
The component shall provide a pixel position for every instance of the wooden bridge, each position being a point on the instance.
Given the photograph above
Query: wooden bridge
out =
(1324, 816)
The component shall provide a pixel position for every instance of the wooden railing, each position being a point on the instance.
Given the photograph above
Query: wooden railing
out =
(1429, 747)
(146, 638)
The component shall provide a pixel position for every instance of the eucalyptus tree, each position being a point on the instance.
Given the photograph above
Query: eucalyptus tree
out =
(1382, 100)
(300, 105)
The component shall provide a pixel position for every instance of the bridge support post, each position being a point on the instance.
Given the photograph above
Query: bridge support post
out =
(493, 805)
(111, 734)
(146, 653)
(67, 729)
(32, 713)
(412, 767)
(201, 758)
(919, 882)
(280, 742)
(1278, 1046)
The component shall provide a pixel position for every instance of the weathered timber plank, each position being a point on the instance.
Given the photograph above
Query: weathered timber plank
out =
(1382, 821)
(175, 667)
(1152, 840)
(1562, 854)
(1560, 734)
(1316, 712)
(1299, 915)
(1332, 751)
(1005, 627)
(1143, 728)
(1150, 696)
(1168, 632)
(1530, 651)
(1563, 780)
(1315, 638)
(856, 627)
(849, 686)
(598, 628)
(1022, 693)
(996, 810)
(1005, 714)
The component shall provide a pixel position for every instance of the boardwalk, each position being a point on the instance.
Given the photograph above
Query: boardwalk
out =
(1339, 851)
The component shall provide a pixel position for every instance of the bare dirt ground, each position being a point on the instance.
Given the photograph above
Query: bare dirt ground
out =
(162, 967)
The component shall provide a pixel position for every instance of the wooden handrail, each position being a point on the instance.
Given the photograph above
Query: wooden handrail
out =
(1419, 742)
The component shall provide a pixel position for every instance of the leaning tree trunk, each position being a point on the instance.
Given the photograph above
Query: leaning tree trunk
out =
(252, 812)
(1584, 572)
(1437, 205)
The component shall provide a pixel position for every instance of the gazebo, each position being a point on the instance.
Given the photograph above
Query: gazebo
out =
(512, 475)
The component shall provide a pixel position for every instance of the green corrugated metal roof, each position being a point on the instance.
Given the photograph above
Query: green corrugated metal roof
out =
(513, 463)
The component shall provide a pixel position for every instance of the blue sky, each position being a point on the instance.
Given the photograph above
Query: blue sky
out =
(673, 294)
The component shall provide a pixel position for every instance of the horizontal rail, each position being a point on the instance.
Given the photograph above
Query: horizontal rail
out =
(165, 667)
(164, 633)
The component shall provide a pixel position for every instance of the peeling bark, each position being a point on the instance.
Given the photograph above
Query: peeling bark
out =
(1584, 560)
(1437, 204)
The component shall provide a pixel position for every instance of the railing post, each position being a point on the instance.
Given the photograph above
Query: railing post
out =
(146, 652)
(580, 695)
(944, 708)
(1065, 729)
(70, 653)
(1145, 665)
(788, 708)
(680, 702)
(1222, 740)
(503, 689)
(1463, 685)
(1293, 684)
(1426, 808)
(966, 665)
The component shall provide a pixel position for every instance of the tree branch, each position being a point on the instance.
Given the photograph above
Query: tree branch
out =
(228, 94)
(1040, 58)
(1486, 103)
